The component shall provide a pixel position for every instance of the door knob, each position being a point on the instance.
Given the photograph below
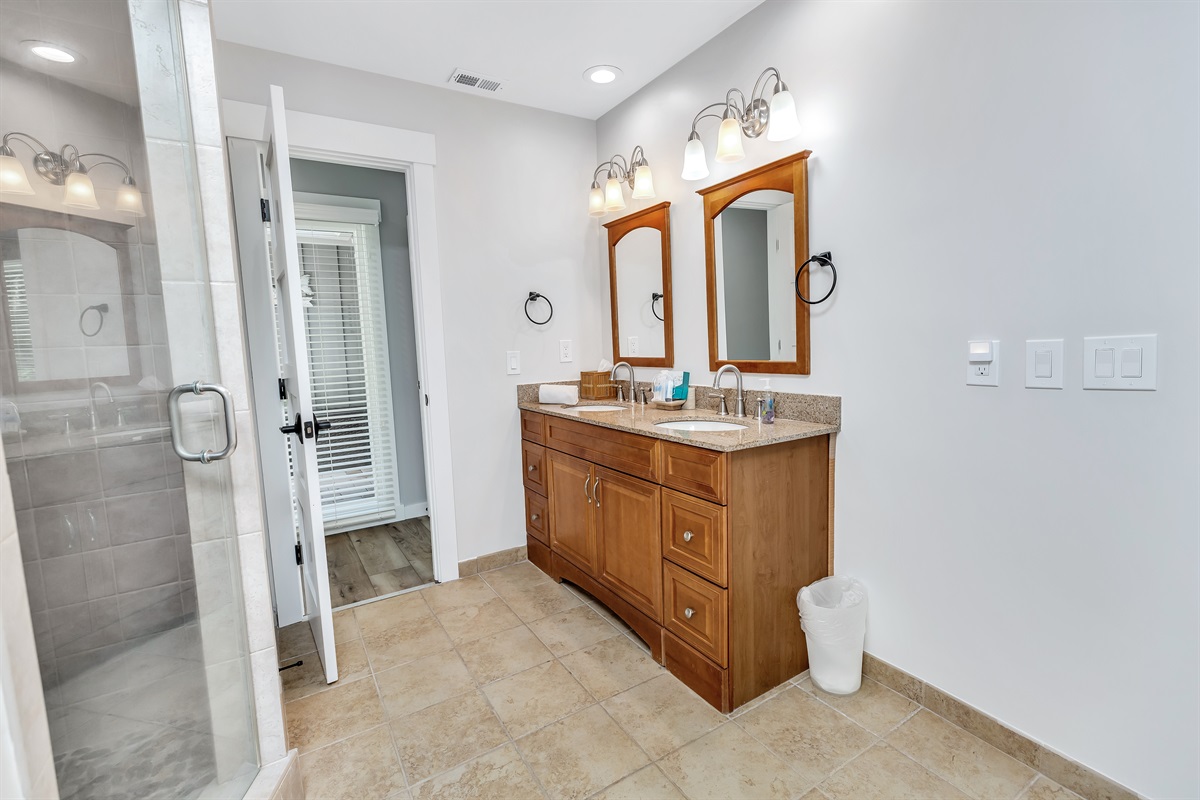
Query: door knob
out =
(689, 612)
(296, 428)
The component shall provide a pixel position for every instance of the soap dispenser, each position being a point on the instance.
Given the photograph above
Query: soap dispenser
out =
(767, 403)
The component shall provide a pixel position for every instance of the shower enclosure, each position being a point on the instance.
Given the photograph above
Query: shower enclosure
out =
(123, 504)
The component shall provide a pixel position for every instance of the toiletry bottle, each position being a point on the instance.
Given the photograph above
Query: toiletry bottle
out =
(768, 414)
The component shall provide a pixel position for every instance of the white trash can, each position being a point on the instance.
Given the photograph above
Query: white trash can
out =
(833, 616)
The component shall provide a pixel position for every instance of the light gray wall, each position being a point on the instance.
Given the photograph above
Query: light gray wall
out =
(1012, 171)
(511, 191)
(388, 188)
(744, 256)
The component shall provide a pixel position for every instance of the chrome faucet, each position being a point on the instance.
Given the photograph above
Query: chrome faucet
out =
(741, 401)
(612, 376)
(92, 400)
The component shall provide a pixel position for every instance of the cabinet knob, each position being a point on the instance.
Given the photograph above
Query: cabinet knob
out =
(689, 612)
(533, 517)
(688, 536)
(531, 467)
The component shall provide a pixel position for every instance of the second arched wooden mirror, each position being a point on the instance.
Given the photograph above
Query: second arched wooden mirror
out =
(755, 239)
(639, 275)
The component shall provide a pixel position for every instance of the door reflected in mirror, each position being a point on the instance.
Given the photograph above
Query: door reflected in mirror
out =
(755, 254)
(639, 262)
(640, 294)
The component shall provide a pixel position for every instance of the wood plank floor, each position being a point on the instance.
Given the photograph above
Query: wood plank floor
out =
(378, 561)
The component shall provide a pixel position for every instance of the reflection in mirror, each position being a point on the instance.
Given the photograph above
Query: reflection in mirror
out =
(755, 238)
(64, 302)
(639, 269)
(755, 254)
(639, 280)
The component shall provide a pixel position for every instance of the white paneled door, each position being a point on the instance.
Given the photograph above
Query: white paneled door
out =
(285, 269)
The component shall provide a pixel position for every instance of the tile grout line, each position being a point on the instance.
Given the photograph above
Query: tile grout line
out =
(1029, 786)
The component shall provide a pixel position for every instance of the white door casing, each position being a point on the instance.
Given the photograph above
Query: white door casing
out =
(286, 271)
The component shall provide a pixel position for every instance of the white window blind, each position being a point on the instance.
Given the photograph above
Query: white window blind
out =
(342, 284)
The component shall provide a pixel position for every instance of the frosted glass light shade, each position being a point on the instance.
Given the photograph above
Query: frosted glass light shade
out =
(78, 192)
(614, 198)
(783, 123)
(694, 165)
(129, 199)
(643, 183)
(596, 202)
(729, 141)
(13, 179)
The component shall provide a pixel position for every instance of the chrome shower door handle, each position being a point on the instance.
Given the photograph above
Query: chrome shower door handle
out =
(198, 388)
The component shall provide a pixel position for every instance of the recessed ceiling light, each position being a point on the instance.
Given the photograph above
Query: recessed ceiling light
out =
(52, 52)
(603, 73)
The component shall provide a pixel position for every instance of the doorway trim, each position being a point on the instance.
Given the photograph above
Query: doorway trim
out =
(362, 144)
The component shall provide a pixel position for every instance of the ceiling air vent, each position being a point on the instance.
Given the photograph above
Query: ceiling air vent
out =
(473, 80)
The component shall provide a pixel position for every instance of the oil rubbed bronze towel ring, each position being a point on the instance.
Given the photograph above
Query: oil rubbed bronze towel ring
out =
(535, 296)
(654, 298)
(825, 260)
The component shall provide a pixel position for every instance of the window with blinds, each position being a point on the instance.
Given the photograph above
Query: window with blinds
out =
(342, 286)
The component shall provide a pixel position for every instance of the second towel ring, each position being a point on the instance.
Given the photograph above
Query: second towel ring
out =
(535, 296)
(654, 298)
(824, 259)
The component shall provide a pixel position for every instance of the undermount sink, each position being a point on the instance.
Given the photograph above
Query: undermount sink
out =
(598, 407)
(700, 425)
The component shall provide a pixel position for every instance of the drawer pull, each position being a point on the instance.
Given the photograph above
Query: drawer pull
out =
(689, 612)
(586, 493)
(688, 536)
(533, 517)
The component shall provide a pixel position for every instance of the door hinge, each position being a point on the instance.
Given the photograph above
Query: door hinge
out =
(282, 389)
(426, 399)
(264, 205)
(299, 555)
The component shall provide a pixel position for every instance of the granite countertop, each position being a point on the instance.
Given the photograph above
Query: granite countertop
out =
(641, 420)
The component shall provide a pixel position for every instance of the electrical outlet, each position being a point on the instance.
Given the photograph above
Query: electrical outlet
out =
(564, 350)
(633, 345)
(514, 362)
(983, 362)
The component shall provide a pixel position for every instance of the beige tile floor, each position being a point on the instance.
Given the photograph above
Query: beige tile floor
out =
(506, 685)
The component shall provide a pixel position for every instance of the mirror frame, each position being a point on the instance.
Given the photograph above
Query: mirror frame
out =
(786, 175)
(657, 217)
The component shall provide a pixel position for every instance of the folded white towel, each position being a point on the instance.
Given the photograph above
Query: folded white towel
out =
(558, 393)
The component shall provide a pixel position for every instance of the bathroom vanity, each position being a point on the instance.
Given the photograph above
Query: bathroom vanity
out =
(699, 541)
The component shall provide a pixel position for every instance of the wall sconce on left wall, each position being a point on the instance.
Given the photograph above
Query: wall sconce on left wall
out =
(635, 172)
(67, 169)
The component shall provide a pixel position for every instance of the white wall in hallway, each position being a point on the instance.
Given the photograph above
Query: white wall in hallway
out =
(512, 218)
(1007, 171)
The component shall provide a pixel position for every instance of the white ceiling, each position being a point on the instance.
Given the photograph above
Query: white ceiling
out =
(538, 49)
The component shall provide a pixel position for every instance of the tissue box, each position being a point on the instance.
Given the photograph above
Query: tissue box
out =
(596, 386)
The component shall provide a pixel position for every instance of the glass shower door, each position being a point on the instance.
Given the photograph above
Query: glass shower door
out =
(129, 550)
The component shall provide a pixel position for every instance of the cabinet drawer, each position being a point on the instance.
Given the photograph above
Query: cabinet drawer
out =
(625, 452)
(696, 611)
(536, 513)
(695, 471)
(533, 467)
(531, 426)
(695, 536)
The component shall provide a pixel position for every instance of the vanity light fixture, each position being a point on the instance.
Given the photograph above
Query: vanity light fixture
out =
(635, 172)
(67, 169)
(741, 117)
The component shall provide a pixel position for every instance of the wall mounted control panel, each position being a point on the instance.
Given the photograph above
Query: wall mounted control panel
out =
(1044, 364)
(1128, 363)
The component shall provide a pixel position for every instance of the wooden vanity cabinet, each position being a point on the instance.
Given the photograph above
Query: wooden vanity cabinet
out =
(700, 552)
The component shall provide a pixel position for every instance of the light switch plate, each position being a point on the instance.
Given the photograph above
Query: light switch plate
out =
(985, 373)
(513, 359)
(564, 350)
(1036, 351)
(1120, 356)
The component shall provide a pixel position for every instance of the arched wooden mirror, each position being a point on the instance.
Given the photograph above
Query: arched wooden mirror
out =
(755, 239)
(639, 280)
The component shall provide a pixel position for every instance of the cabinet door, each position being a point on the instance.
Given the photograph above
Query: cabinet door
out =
(572, 534)
(628, 539)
